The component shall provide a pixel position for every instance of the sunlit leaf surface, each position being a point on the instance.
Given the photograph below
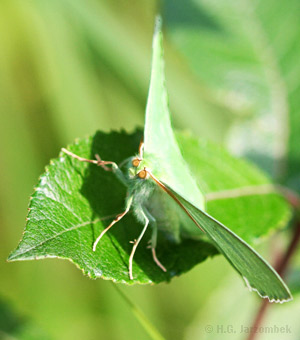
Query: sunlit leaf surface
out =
(74, 201)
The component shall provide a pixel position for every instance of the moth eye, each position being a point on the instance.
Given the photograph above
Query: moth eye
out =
(136, 162)
(143, 174)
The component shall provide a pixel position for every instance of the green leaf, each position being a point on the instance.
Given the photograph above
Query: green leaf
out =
(71, 197)
(160, 147)
(257, 273)
(74, 201)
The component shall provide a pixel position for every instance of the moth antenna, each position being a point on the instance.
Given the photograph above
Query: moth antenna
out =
(117, 219)
(141, 148)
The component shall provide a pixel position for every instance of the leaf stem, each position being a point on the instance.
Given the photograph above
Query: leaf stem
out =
(140, 316)
(281, 267)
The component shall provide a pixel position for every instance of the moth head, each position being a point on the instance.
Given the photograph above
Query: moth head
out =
(138, 168)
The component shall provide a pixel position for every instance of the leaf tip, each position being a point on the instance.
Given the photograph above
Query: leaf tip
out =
(11, 257)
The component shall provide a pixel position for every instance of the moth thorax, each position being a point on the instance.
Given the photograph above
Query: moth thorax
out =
(143, 174)
(136, 162)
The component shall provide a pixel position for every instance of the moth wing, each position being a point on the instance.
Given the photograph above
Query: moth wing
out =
(161, 151)
(258, 275)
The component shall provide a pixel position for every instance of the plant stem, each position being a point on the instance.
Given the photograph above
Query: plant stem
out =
(141, 317)
(281, 267)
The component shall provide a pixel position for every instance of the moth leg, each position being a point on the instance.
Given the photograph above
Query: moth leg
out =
(98, 161)
(102, 163)
(135, 244)
(117, 219)
(153, 241)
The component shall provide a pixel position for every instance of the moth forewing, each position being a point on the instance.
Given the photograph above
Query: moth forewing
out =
(256, 272)
(161, 149)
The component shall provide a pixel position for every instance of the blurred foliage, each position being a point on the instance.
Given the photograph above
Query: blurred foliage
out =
(246, 53)
(234, 322)
(70, 67)
(13, 326)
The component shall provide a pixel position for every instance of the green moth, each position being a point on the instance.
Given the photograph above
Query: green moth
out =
(159, 173)
(71, 204)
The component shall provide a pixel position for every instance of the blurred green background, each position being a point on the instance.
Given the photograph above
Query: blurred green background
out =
(70, 67)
